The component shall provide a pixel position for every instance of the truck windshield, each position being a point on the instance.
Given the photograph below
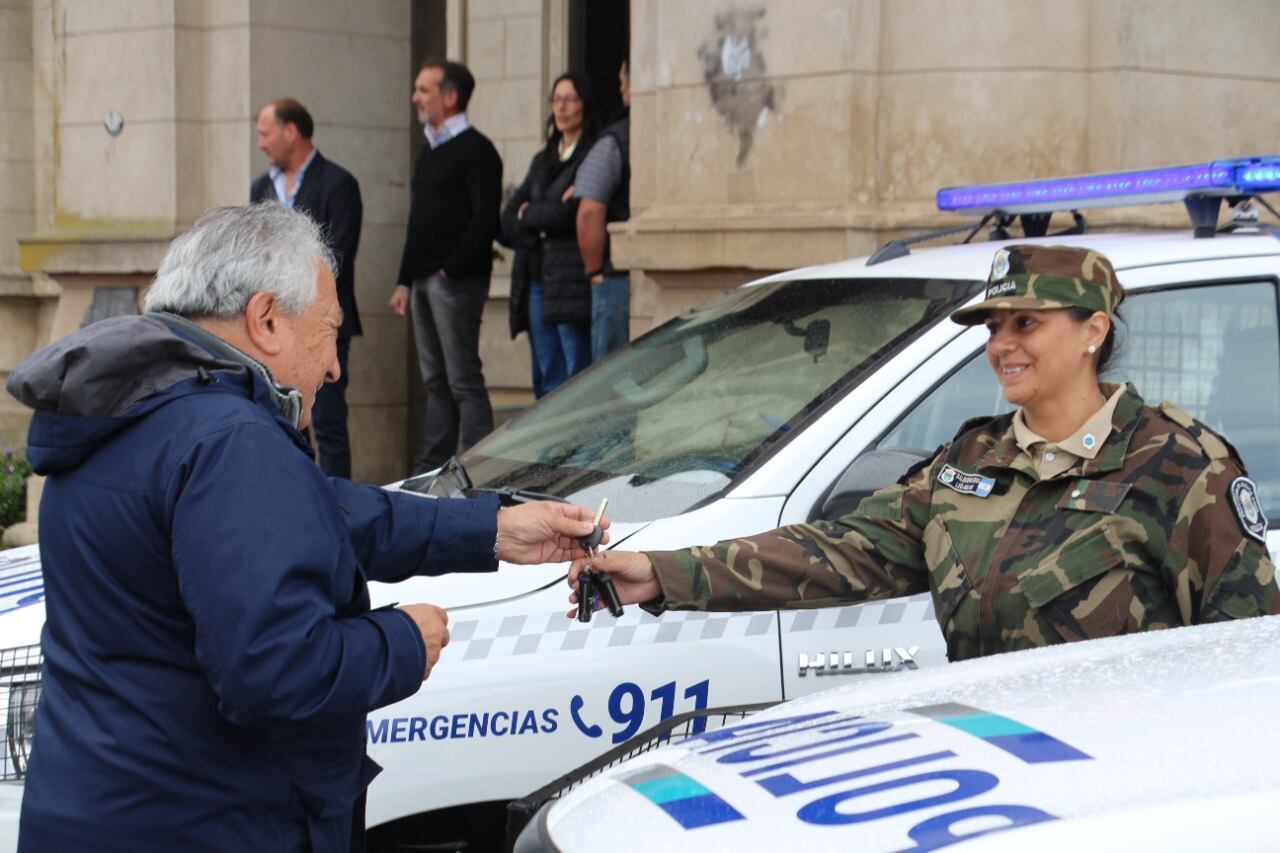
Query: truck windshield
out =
(684, 411)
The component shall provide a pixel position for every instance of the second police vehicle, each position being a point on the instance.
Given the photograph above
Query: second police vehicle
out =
(787, 399)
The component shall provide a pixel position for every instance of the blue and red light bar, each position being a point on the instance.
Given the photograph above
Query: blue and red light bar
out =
(1241, 176)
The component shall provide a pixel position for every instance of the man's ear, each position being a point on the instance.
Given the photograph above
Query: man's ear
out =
(262, 322)
(449, 97)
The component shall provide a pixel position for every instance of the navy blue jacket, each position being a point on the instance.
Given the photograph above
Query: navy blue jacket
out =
(210, 654)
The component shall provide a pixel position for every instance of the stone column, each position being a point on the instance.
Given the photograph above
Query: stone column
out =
(514, 48)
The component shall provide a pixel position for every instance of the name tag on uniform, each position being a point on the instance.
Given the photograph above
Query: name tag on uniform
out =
(964, 482)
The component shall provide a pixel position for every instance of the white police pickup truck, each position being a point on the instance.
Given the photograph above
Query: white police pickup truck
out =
(783, 400)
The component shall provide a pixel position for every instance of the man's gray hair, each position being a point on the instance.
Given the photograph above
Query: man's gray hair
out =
(232, 253)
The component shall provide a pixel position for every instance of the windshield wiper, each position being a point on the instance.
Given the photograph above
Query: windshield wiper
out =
(513, 495)
(452, 480)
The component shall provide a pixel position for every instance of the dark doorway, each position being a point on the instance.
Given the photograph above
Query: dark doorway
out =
(599, 39)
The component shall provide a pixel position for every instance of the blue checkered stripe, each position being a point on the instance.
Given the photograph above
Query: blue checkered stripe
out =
(514, 636)
(915, 608)
(525, 635)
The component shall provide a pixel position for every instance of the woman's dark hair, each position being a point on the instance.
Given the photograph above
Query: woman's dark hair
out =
(1107, 352)
(590, 113)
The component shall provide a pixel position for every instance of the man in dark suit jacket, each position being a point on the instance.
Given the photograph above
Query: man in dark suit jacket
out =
(301, 178)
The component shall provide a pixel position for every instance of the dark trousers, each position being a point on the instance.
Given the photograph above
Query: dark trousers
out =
(329, 420)
(446, 327)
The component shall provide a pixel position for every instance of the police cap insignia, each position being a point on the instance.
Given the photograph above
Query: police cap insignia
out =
(1000, 265)
(1244, 498)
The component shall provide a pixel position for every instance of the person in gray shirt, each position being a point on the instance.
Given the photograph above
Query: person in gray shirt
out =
(603, 188)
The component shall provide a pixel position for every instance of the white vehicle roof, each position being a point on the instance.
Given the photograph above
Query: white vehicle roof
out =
(973, 260)
(1165, 740)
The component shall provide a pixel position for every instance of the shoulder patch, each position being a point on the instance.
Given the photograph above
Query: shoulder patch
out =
(1244, 500)
(1214, 445)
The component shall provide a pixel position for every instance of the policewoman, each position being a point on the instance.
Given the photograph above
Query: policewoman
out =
(1084, 513)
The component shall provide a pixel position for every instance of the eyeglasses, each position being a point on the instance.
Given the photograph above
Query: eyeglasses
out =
(567, 100)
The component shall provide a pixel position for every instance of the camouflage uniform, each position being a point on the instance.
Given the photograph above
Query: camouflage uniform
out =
(1160, 528)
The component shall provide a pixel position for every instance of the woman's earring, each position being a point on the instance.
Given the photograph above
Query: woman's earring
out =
(1092, 349)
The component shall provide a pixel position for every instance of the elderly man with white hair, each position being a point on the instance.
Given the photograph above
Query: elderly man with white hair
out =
(210, 651)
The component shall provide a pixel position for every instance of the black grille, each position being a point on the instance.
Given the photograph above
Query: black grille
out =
(19, 693)
(672, 730)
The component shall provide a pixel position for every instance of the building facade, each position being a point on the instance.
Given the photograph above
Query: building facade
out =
(765, 135)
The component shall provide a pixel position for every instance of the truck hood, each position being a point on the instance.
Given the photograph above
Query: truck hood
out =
(1169, 737)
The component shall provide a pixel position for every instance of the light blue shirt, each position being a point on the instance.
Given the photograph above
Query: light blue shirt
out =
(452, 126)
(277, 179)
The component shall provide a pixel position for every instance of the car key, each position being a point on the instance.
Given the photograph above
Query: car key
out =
(593, 585)
(586, 595)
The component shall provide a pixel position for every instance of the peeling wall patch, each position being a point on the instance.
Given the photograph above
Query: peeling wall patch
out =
(733, 66)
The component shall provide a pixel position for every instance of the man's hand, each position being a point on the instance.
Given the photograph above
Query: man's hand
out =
(544, 532)
(399, 301)
(632, 574)
(433, 625)
(566, 195)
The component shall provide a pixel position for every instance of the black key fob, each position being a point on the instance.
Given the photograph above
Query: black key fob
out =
(593, 541)
(608, 592)
(586, 596)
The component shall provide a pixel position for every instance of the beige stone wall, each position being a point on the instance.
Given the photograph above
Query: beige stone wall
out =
(24, 303)
(212, 98)
(766, 137)
(350, 64)
(17, 135)
(188, 77)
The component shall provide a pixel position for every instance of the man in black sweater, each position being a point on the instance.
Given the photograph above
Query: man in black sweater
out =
(447, 261)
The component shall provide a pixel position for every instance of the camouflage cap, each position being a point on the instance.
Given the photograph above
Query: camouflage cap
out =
(1044, 277)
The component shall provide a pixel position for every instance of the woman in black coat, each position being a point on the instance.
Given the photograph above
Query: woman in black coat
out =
(550, 296)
